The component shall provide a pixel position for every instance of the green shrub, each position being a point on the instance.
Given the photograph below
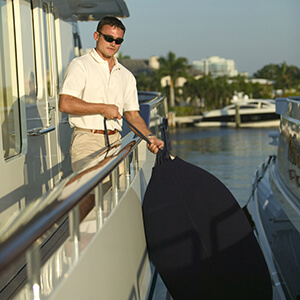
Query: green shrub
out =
(184, 110)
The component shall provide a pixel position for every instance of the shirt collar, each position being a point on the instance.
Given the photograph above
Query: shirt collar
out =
(99, 59)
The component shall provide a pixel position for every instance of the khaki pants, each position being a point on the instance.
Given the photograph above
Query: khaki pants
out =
(85, 146)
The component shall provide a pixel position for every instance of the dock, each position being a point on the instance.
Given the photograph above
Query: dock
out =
(183, 121)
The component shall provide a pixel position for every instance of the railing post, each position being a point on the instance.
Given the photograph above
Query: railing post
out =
(99, 204)
(136, 160)
(74, 220)
(127, 171)
(115, 185)
(33, 269)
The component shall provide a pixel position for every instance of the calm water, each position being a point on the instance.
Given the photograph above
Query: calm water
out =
(232, 155)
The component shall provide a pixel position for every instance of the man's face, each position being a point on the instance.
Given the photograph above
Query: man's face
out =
(104, 48)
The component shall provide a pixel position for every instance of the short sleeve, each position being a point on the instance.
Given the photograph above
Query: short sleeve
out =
(74, 79)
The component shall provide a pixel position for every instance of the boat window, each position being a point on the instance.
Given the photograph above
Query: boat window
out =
(47, 39)
(29, 70)
(246, 106)
(9, 103)
(53, 50)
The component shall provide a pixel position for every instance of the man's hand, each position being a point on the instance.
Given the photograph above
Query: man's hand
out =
(111, 111)
(155, 145)
(136, 120)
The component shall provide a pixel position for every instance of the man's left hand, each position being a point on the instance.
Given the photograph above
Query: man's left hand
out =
(155, 145)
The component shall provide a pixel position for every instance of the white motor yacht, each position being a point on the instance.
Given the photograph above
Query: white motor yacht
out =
(243, 112)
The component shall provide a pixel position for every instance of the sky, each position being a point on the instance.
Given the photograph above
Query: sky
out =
(253, 33)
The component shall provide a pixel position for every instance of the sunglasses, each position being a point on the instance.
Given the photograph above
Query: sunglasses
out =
(110, 39)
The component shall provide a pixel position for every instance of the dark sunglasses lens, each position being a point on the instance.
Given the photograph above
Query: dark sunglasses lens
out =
(110, 39)
(119, 41)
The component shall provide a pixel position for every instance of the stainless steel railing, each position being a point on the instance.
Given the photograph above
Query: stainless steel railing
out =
(15, 242)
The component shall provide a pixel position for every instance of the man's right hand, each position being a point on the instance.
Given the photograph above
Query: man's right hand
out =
(111, 111)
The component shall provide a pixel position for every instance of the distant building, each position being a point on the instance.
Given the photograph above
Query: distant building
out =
(216, 66)
(136, 66)
(141, 66)
(260, 81)
(244, 74)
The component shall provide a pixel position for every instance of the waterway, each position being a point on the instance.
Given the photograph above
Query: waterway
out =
(230, 154)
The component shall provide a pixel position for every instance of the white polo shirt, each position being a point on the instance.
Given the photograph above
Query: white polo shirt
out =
(88, 78)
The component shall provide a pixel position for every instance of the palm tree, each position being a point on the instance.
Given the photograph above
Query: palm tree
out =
(148, 82)
(122, 56)
(206, 89)
(223, 91)
(174, 68)
(283, 79)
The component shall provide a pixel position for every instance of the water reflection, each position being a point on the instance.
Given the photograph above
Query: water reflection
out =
(230, 154)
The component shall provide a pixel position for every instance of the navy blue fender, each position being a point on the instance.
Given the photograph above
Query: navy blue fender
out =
(199, 238)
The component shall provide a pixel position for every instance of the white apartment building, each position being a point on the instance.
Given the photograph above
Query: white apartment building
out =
(216, 66)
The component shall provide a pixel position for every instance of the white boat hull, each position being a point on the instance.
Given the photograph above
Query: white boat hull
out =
(275, 206)
(266, 124)
(249, 113)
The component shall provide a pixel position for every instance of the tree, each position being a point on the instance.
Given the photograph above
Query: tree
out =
(122, 56)
(285, 77)
(174, 68)
(149, 82)
(268, 72)
(223, 91)
(206, 88)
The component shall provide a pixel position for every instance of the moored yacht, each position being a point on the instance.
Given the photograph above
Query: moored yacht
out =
(242, 112)
(275, 205)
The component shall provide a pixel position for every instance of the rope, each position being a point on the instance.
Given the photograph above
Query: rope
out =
(271, 157)
(138, 132)
(131, 125)
(245, 209)
(106, 134)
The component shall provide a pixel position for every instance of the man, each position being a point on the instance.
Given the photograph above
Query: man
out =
(97, 87)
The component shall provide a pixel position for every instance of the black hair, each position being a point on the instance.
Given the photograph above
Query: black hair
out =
(111, 21)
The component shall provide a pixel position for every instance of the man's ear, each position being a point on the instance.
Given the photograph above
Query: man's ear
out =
(96, 36)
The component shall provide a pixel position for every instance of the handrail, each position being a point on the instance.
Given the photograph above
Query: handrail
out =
(21, 240)
(40, 131)
(58, 203)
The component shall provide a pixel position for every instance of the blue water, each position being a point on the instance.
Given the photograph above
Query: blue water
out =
(232, 155)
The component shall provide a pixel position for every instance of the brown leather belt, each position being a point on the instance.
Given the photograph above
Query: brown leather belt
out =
(109, 132)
